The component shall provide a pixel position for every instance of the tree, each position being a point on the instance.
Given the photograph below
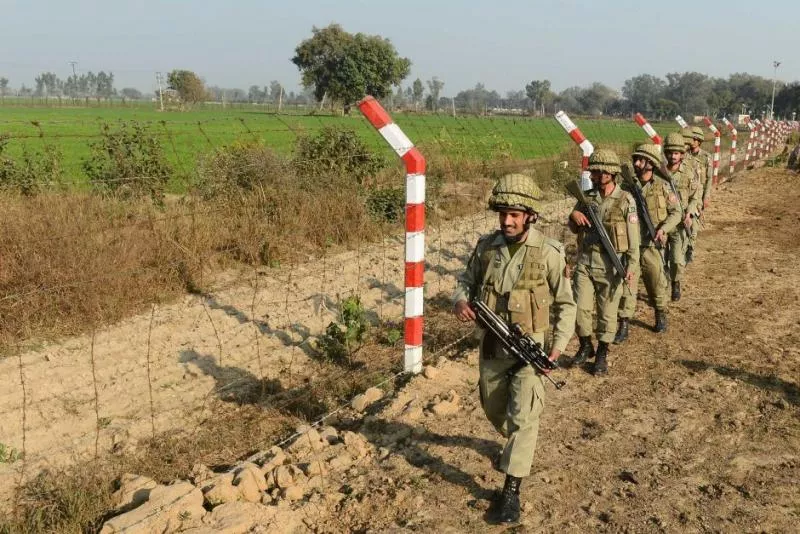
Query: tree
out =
(346, 67)
(48, 84)
(131, 93)
(435, 86)
(275, 90)
(539, 92)
(690, 90)
(787, 101)
(189, 86)
(417, 91)
(255, 94)
(596, 99)
(642, 92)
(478, 99)
(105, 85)
(3, 86)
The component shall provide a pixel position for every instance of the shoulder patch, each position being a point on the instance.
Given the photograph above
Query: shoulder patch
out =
(672, 198)
(633, 218)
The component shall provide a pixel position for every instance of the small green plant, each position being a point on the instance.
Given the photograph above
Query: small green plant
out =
(345, 336)
(9, 455)
(128, 162)
(33, 171)
(390, 333)
(386, 204)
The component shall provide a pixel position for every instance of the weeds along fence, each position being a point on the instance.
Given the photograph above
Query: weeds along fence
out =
(191, 288)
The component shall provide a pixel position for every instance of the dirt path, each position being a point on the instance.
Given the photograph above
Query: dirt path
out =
(694, 431)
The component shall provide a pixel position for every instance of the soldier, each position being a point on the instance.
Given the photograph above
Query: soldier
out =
(685, 181)
(662, 207)
(595, 282)
(519, 273)
(694, 138)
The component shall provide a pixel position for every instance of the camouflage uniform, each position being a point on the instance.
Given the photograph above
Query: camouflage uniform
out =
(705, 170)
(523, 288)
(686, 181)
(595, 283)
(662, 206)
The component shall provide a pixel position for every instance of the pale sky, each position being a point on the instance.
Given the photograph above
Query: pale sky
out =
(504, 44)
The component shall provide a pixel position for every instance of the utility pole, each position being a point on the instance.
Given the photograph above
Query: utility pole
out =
(775, 64)
(74, 78)
(453, 101)
(280, 98)
(160, 92)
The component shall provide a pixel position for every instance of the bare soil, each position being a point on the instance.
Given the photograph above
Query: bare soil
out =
(696, 430)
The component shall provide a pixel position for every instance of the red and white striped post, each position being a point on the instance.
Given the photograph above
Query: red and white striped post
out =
(734, 135)
(415, 227)
(682, 122)
(586, 147)
(717, 147)
(758, 144)
(649, 130)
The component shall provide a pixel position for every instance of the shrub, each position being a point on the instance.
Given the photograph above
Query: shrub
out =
(341, 340)
(128, 162)
(335, 150)
(33, 171)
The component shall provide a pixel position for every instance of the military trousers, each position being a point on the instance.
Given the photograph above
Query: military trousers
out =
(656, 282)
(678, 243)
(693, 234)
(513, 406)
(598, 289)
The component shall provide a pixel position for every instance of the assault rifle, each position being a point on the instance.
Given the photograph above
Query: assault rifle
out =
(663, 171)
(644, 213)
(516, 342)
(597, 227)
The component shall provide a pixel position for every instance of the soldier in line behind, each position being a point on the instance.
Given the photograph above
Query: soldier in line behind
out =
(595, 282)
(662, 207)
(694, 138)
(685, 181)
(518, 273)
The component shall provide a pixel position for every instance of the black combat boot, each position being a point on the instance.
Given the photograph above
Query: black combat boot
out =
(600, 365)
(689, 255)
(622, 331)
(676, 291)
(661, 321)
(507, 504)
(585, 352)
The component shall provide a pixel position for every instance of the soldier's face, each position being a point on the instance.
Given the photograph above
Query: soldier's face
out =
(641, 166)
(674, 157)
(512, 222)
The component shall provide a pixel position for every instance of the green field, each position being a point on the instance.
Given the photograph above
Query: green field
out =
(187, 135)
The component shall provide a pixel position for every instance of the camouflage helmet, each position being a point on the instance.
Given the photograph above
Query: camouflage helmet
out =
(516, 191)
(697, 134)
(674, 143)
(604, 160)
(650, 152)
(687, 134)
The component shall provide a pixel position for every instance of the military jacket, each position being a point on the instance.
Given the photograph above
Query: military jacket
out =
(662, 206)
(620, 219)
(525, 288)
(687, 182)
(705, 163)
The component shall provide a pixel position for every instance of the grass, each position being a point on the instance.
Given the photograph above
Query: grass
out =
(188, 135)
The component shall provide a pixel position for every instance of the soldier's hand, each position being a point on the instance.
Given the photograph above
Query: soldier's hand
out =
(579, 218)
(706, 202)
(463, 311)
(555, 354)
(628, 276)
(687, 221)
(661, 237)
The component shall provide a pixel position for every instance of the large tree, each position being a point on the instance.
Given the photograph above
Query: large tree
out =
(539, 93)
(435, 86)
(643, 92)
(346, 67)
(691, 90)
(189, 86)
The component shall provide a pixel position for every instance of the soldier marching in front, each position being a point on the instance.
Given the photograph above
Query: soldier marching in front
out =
(520, 275)
(685, 182)
(662, 208)
(596, 284)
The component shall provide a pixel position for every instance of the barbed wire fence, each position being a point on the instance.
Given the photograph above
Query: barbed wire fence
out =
(249, 330)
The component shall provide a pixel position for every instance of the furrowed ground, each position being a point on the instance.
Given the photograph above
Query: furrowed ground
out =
(696, 430)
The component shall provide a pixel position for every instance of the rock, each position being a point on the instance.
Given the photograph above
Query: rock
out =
(257, 474)
(412, 412)
(200, 474)
(355, 444)
(430, 372)
(340, 463)
(172, 508)
(329, 435)
(292, 493)
(306, 442)
(316, 481)
(274, 457)
(250, 485)
(133, 491)
(314, 468)
(287, 475)
(220, 490)
(370, 396)
(235, 518)
(448, 406)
